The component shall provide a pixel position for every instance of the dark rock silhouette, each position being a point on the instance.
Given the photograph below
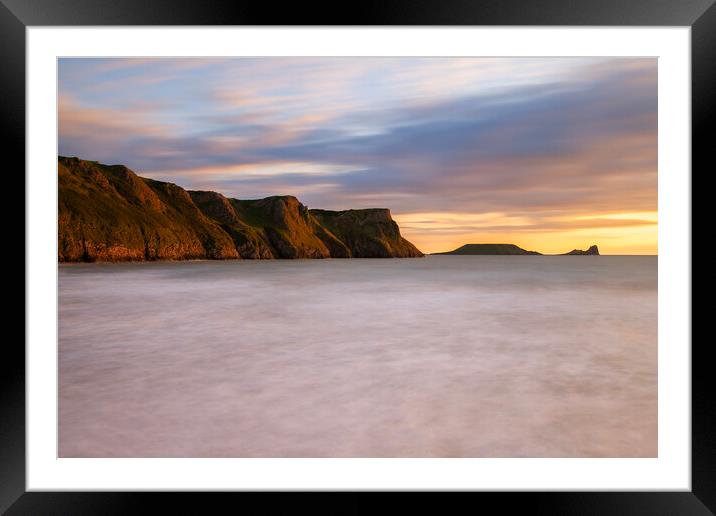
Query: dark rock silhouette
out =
(593, 250)
(108, 213)
(510, 249)
(490, 249)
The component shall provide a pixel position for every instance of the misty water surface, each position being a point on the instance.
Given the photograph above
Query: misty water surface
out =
(446, 356)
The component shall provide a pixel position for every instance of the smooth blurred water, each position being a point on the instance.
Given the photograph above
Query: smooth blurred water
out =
(446, 356)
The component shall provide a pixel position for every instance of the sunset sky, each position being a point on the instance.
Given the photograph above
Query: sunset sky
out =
(549, 154)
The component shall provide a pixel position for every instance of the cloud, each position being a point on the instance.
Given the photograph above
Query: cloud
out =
(525, 137)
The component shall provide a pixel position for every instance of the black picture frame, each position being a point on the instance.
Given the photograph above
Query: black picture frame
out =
(17, 15)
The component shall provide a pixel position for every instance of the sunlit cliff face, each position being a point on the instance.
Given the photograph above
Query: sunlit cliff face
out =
(549, 154)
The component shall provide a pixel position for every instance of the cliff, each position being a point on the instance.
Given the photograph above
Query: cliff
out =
(366, 233)
(490, 249)
(108, 213)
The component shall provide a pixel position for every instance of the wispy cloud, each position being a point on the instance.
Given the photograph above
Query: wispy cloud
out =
(546, 142)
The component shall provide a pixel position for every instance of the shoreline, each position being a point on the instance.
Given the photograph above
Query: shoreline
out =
(209, 260)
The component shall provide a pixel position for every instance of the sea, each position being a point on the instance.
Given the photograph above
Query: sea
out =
(442, 356)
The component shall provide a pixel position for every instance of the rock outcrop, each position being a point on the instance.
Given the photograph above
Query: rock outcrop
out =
(108, 213)
(505, 249)
(593, 250)
(490, 249)
(366, 233)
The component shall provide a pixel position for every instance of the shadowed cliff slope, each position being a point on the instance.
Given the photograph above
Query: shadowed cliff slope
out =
(108, 213)
(366, 233)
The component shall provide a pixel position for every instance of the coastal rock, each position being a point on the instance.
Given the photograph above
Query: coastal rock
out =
(593, 250)
(490, 249)
(109, 213)
(510, 249)
(367, 233)
(286, 224)
(250, 242)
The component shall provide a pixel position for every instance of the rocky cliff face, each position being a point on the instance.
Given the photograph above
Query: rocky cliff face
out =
(366, 233)
(108, 213)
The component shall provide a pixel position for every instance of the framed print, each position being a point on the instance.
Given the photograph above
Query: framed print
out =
(424, 249)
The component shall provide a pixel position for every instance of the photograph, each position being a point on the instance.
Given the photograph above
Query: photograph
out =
(357, 257)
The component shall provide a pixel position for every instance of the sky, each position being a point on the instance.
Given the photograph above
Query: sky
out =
(550, 154)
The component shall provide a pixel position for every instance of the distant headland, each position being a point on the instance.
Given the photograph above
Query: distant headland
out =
(109, 213)
(511, 249)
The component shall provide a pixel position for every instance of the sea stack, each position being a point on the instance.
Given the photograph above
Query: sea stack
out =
(593, 250)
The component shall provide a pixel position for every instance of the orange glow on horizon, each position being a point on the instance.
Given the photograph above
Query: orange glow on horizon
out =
(613, 233)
